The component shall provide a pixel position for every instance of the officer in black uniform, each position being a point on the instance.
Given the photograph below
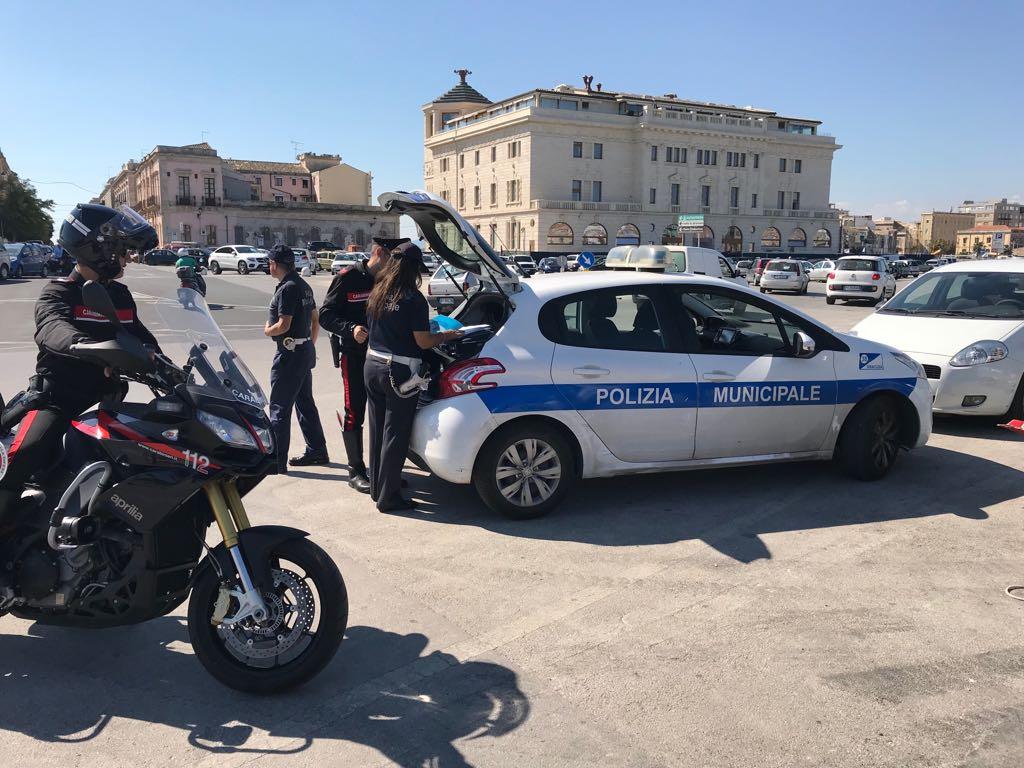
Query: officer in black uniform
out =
(293, 326)
(343, 315)
(99, 238)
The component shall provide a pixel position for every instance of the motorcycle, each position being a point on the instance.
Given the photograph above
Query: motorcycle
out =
(139, 485)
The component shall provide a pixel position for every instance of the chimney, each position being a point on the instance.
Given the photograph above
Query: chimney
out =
(587, 80)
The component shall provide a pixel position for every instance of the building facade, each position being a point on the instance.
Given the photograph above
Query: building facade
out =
(997, 239)
(190, 193)
(995, 212)
(942, 227)
(581, 169)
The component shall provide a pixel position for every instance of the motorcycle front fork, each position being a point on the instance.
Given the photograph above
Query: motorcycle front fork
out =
(229, 512)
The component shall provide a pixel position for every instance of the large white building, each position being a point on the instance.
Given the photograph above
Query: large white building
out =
(573, 169)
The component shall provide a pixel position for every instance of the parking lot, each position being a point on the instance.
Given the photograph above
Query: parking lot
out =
(765, 616)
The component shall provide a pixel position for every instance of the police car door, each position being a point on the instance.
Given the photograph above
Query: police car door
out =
(755, 396)
(614, 363)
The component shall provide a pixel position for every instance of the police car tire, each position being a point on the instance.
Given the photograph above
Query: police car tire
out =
(830, 300)
(215, 267)
(485, 482)
(856, 449)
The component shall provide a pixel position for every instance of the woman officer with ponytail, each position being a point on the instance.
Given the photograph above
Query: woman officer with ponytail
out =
(399, 322)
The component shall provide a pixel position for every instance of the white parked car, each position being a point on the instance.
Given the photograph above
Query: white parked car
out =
(785, 275)
(303, 259)
(819, 272)
(677, 259)
(344, 259)
(238, 258)
(618, 372)
(964, 323)
(861, 278)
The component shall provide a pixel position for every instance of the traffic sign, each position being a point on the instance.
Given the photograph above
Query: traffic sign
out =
(691, 222)
(586, 260)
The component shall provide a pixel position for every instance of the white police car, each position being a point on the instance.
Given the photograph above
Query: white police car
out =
(609, 373)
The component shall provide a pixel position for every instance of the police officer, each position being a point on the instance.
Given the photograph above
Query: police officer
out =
(293, 326)
(399, 332)
(343, 315)
(99, 239)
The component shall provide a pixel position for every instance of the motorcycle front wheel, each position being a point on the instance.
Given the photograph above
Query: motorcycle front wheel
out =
(308, 608)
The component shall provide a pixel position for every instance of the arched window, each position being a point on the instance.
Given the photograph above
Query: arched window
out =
(707, 237)
(797, 238)
(560, 233)
(359, 237)
(822, 239)
(314, 233)
(627, 235)
(595, 234)
(732, 241)
(771, 238)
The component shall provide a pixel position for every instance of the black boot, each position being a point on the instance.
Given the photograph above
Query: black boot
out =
(310, 459)
(357, 478)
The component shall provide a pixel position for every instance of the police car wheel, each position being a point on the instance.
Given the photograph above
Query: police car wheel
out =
(525, 471)
(870, 440)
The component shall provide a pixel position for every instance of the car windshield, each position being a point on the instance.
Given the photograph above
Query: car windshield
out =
(783, 266)
(858, 265)
(446, 270)
(962, 294)
(246, 249)
(191, 335)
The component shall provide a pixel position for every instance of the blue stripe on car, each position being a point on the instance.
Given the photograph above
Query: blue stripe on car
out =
(589, 397)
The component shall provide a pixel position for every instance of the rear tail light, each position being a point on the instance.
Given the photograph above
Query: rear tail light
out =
(466, 377)
(831, 275)
(876, 276)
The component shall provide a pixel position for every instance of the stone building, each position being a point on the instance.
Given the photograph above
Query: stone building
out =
(995, 212)
(571, 169)
(942, 226)
(190, 193)
(997, 239)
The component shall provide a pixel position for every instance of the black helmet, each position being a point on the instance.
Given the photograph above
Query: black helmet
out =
(97, 236)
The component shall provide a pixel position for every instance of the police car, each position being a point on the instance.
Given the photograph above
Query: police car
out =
(610, 373)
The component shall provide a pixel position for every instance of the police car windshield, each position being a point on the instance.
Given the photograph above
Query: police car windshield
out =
(192, 335)
(962, 294)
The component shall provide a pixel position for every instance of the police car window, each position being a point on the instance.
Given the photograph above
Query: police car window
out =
(608, 319)
(713, 322)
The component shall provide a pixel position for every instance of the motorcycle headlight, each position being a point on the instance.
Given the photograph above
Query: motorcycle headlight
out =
(979, 352)
(226, 430)
(911, 363)
(266, 436)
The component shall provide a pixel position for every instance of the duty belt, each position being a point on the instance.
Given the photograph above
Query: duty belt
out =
(387, 357)
(290, 343)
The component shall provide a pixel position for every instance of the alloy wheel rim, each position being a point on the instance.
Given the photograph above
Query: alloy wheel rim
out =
(528, 472)
(885, 439)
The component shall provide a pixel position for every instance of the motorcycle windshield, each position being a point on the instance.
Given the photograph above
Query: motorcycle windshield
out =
(191, 335)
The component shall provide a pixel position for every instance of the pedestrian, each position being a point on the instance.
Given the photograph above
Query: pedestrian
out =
(398, 315)
(343, 315)
(293, 326)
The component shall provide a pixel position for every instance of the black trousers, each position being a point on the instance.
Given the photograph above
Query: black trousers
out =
(352, 379)
(390, 429)
(35, 447)
(291, 386)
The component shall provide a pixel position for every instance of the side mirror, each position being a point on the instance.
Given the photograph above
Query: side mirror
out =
(804, 345)
(98, 300)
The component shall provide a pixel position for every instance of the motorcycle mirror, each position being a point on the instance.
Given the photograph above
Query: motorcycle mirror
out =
(98, 300)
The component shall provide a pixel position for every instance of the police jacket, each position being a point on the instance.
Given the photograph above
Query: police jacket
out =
(62, 319)
(345, 306)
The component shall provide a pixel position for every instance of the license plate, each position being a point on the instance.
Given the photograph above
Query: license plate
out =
(779, 277)
(446, 301)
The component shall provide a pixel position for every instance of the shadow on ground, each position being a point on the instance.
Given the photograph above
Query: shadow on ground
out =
(730, 509)
(66, 686)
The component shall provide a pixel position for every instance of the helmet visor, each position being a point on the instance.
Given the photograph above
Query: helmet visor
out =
(127, 222)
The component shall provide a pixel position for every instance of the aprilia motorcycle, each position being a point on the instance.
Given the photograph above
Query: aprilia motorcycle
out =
(115, 533)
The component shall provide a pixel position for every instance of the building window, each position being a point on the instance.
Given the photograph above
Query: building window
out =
(278, 198)
(732, 241)
(782, 165)
(577, 190)
(781, 200)
(211, 234)
(186, 232)
(700, 157)
(734, 197)
(675, 194)
(714, 157)
(254, 192)
(653, 197)
(278, 181)
(822, 239)
(512, 191)
(209, 189)
(705, 195)
(305, 183)
(675, 155)
(462, 197)
(654, 152)
(628, 234)
(494, 153)
(476, 197)
(513, 149)
(462, 160)
(598, 151)
(753, 200)
(771, 238)
(757, 161)
(798, 166)
(184, 189)
(494, 194)
(796, 201)
(743, 160)
(797, 239)
(258, 179)
(444, 195)
(577, 149)
(560, 233)
(595, 234)
(444, 165)
(476, 157)
(595, 192)
(293, 182)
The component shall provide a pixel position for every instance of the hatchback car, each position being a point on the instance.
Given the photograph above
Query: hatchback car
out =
(303, 259)
(964, 323)
(239, 258)
(861, 278)
(784, 275)
(159, 256)
(820, 269)
(610, 373)
(28, 259)
(344, 259)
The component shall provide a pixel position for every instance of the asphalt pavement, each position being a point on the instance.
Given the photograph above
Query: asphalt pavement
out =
(768, 616)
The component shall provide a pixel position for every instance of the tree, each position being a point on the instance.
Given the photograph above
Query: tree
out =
(942, 246)
(1007, 250)
(978, 247)
(23, 216)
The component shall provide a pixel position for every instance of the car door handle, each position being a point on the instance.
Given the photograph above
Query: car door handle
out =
(591, 371)
(718, 376)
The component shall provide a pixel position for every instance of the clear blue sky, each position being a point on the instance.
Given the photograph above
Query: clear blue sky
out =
(925, 118)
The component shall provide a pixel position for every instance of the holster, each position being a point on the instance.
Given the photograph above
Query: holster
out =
(336, 350)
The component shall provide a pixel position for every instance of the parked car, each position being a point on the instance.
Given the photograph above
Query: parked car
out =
(239, 258)
(964, 323)
(864, 278)
(201, 255)
(819, 271)
(318, 246)
(343, 259)
(685, 259)
(759, 265)
(785, 275)
(551, 264)
(5, 263)
(304, 258)
(448, 287)
(28, 259)
(60, 262)
(430, 262)
(159, 256)
(743, 266)
(526, 263)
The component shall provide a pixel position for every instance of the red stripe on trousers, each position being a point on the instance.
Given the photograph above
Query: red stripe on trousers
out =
(349, 424)
(23, 428)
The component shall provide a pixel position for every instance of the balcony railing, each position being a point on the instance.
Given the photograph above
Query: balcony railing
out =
(210, 201)
(584, 205)
(789, 214)
(189, 200)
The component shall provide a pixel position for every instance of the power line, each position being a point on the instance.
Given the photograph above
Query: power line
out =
(69, 183)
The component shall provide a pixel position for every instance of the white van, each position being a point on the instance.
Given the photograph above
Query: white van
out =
(673, 258)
